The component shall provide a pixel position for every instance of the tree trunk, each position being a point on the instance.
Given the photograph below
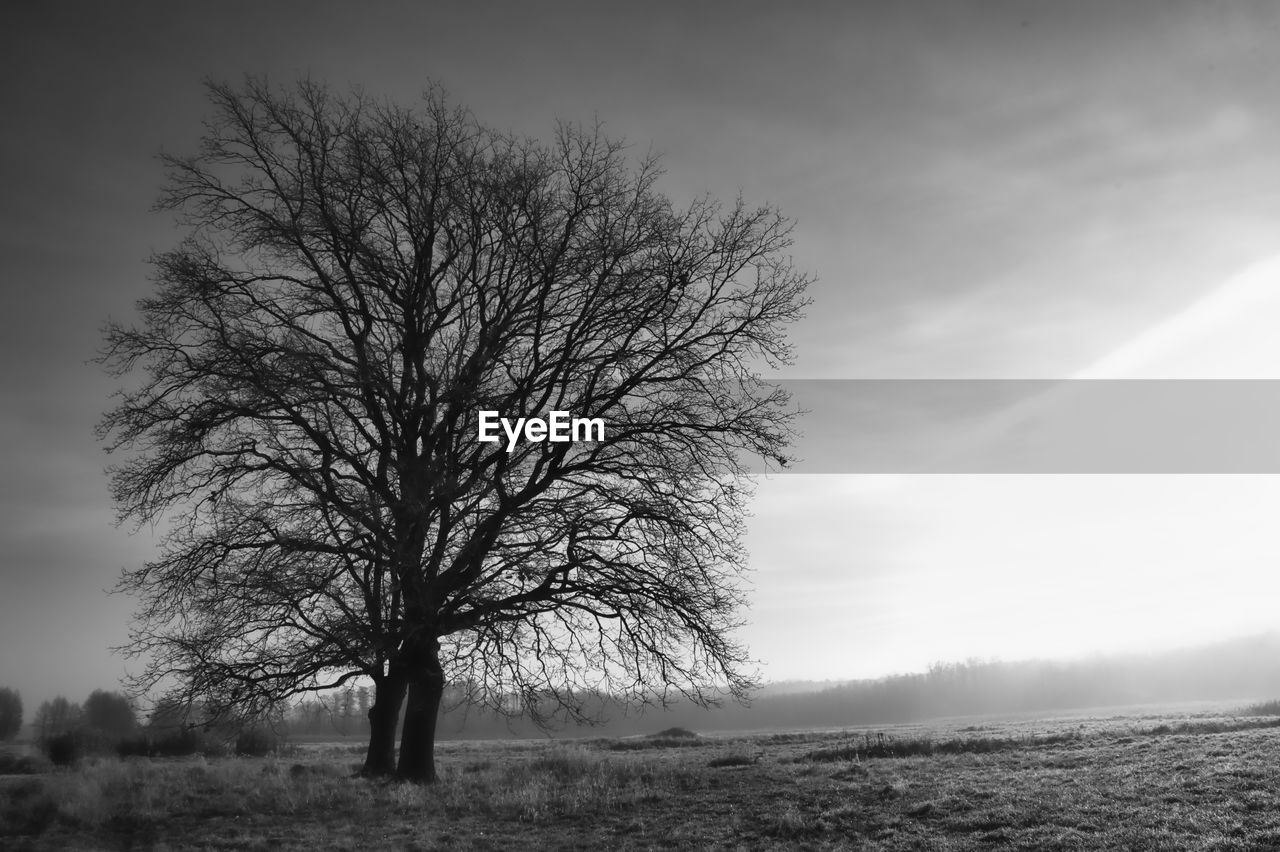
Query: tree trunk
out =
(418, 744)
(388, 693)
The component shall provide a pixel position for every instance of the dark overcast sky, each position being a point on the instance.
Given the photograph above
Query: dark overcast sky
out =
(984, 189)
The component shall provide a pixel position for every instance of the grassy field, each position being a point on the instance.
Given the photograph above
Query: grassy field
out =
(1200, 781)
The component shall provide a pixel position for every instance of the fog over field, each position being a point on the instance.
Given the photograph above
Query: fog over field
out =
(1058, 192)
(1226, 677)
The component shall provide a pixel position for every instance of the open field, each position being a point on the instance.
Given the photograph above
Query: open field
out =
(1201, 781)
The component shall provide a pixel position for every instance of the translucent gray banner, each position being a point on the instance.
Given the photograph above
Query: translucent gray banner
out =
(1026, 426)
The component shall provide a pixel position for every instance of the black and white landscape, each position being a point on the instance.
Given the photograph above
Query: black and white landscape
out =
(716, 425)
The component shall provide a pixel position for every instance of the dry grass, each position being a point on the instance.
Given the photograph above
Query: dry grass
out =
(1264, 708)
(1149, 783)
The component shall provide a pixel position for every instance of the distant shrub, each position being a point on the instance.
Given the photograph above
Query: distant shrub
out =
(256, 742)
(675, 733)
(737, 759)
(10, 713)
(26, 808)
(135, 746)
(655, 741)
(63, 749)
(97, 741)
(1265, 708)
(168, 742)
(669, 738)
(16, 763)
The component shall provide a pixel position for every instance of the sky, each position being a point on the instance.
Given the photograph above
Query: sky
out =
(982, 190)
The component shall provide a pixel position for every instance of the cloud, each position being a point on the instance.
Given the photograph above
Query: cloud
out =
(1227, 334)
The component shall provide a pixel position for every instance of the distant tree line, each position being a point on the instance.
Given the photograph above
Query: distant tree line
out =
(1243, 670)
(1240, 670)
(343, 712)
(65, 730)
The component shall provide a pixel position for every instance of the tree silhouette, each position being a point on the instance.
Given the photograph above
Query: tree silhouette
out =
(10, 713)
(56, 716)
(359, 283)
(109, 714)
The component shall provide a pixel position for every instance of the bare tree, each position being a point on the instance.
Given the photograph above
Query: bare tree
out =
(57, 716)
(360, 283)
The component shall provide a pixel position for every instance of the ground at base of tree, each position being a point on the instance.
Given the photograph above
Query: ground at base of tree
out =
(1185, 782)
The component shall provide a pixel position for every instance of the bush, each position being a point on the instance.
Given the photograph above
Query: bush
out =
(256, 742)
(137, 746)
(10, 713)
(14, 763)
(669, 738)
(26, 808)
(737, 759)
(644, 743)
(167, 742)
(63, 749)
(675, 733)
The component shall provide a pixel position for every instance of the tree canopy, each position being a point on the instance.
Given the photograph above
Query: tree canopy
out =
(359, 282)
(109, 713)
